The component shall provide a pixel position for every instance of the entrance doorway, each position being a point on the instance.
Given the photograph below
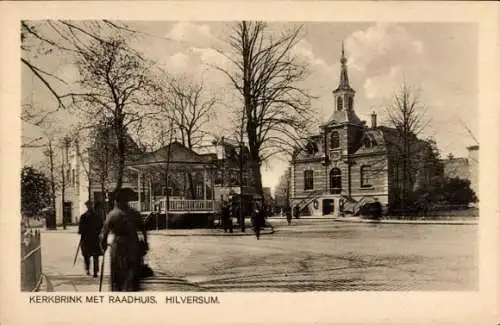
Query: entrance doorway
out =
(67, 215)
(328, 206)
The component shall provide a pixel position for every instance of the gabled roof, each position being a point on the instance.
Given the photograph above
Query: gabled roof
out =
(341, 117)
(178, 154)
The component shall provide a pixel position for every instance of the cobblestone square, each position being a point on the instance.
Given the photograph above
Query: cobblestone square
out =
(306, 256)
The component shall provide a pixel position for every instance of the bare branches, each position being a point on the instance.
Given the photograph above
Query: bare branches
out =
(69, 37)
(117, 88)
(406, 114)
(415, 161)
(189, 107)
(37, 73)
(267, 76)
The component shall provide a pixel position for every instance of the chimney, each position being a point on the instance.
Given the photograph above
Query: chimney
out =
(374, 120)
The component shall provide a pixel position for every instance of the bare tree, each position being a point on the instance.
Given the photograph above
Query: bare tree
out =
(188, 108)
(50, 154)
(47, 37)
(407, 115)
(267, 76)
(116, 88)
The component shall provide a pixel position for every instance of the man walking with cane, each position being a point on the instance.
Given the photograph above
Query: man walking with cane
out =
(89, 228)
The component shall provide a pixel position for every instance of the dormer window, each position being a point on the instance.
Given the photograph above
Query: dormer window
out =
(350, 103)
(339, 103)
(369, 141)
(312, 148)
(334, 140)
(366, 142)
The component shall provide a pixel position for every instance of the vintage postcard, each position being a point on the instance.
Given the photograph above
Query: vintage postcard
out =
(270, 162)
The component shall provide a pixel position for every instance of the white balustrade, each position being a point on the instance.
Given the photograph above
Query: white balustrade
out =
(183, 205)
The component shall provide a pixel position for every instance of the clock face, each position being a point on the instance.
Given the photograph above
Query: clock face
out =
(335, 155)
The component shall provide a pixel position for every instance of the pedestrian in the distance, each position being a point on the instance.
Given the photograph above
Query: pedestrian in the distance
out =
(376, 210)
(296, 211)
(226, 217)
(125, 249)
(259, 219)
(288, 212)
(89, 228)
(341, 208)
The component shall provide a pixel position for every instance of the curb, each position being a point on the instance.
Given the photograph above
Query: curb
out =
(409, 222)
(238, 234)
(172, 234)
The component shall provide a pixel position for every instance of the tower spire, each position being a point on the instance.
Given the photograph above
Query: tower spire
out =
(342, 57)
(344, 78)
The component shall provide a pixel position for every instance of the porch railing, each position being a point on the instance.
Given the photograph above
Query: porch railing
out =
(179, 205)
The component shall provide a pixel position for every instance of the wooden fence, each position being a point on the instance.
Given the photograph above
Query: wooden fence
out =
(31, 261)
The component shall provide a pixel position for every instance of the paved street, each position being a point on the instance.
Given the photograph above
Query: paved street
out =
(310, 255)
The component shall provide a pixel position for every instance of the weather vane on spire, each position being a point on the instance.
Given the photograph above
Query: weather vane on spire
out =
(343, 60)
(344, 79)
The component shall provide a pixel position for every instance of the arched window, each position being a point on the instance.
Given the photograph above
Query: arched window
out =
(367, 142)
(308, 180)
(335, 181)
(312, 148)
(365, 175)
(334, 140)
(339, 103)
(350, 103)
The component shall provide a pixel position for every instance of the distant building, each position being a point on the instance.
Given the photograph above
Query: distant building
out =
(231, 158)
(464, 168)
(212, 172)
(474, 168)
(268, 197)
(84, 177)
(282, 189)
(456, 167)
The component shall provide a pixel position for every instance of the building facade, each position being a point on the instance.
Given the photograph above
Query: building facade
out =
(473, 159)
(464, 168)
(208, 175)
(349, 163)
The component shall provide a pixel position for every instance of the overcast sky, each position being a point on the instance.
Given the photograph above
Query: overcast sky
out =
(438, 58)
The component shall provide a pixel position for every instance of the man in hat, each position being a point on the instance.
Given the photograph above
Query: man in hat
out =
(126, 251)
(226, 216)
(89, 227)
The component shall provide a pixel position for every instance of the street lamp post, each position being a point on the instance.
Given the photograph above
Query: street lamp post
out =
(66, 142)
(241, 216)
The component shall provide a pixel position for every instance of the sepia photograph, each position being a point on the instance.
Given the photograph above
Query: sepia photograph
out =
(249, 156)
(266, 162)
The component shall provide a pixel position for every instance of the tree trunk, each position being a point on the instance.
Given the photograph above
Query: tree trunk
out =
(120, 135)
(63, 189)
(89, 189)
(52, 222)
(241, 215)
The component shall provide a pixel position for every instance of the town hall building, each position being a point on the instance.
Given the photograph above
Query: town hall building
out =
(349, 163)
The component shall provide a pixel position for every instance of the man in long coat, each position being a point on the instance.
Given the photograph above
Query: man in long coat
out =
(226, 216)
(126, 251)
(89, 228)
(376, 209)
(259, 218)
